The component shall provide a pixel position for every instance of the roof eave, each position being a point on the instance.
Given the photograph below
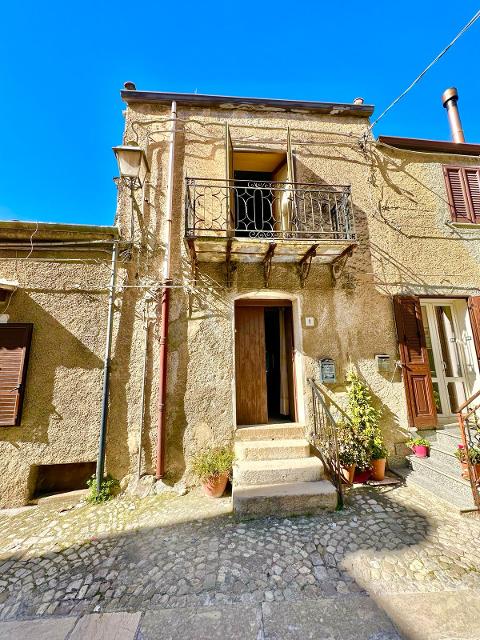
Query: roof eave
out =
(202, 100)
(56, 231)
(430, 146)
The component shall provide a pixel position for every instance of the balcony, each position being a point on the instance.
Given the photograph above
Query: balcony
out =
(236, 221)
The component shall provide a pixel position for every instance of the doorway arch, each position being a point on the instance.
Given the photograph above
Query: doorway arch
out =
(254, 388)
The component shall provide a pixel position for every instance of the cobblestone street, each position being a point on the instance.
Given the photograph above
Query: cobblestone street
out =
(183, 557)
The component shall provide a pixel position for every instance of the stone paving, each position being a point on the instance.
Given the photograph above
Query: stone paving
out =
(166, 553)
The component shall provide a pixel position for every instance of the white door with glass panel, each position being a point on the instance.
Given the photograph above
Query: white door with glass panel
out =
(451, 353)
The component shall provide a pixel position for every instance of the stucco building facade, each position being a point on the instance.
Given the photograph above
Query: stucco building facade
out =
(288, 240)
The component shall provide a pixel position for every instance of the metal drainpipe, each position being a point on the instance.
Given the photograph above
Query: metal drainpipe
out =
(144, 373)
(165, 304)
(106, 372)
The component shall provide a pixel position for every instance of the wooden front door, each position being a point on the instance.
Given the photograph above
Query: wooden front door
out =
(250, 370)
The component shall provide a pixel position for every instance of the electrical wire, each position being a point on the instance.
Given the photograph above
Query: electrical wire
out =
(427, 68)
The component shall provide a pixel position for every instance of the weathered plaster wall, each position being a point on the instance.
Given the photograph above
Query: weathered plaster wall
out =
(354, 318)
(415, 247)
(64, 295)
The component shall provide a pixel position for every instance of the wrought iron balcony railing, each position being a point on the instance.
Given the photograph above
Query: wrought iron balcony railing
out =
(268, 210)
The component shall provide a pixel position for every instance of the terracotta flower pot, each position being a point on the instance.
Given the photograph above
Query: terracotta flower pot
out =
(363, 476)
(476, 470)
(378, 469)
(215, 486)
(421, 450)
(348, 473)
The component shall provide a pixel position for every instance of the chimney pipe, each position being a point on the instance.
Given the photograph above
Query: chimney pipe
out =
(449, 101)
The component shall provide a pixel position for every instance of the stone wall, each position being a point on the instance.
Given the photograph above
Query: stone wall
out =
(64, 294)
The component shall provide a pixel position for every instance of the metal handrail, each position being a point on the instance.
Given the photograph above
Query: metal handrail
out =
(468, 415)
(468, 402)
(324, 439)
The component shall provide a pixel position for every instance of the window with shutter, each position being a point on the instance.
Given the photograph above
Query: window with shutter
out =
(463, 188)
(14, 350)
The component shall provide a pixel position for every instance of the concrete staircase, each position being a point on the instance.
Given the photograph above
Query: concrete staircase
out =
(441, 472)
(275, 473)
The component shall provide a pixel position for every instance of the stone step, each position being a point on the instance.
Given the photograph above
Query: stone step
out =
(286, 499)
(444, 458)
(442, 479)
(255, 472)
(281, 431)
(443, 492)
(447, 438)
(272, 449)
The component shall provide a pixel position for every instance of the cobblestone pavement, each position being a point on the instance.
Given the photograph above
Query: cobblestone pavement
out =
(169, 552)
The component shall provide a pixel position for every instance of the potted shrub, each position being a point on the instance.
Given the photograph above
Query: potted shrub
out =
(419, 446)
(364, 418)
(212, 467)
(346, 452)
(379, 458)
(473, 455)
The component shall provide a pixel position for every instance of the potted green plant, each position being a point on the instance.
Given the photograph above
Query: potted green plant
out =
(346, 451)
(379, 458)
(419, 446)
(212, 467)
(474, 457)
(364, 418)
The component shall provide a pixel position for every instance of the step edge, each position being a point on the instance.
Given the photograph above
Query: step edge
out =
(422, 463)
(288, 442)
(313, 462)
(412, 480)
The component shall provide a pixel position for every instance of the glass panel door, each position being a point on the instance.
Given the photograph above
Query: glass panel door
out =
(445, 346)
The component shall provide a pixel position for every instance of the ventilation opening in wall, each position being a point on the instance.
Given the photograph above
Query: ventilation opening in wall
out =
(60, 478)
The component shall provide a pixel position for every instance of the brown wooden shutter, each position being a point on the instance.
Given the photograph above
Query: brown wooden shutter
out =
(474, 309)
(414, 358)
(14, 350)
(229, 175)
(472, 179)
(463, 188)
(456, 194)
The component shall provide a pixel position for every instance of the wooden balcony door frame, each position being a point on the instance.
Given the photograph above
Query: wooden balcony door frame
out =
(296, 371)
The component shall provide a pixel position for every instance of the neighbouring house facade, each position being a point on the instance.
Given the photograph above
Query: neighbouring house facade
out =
(271, 243)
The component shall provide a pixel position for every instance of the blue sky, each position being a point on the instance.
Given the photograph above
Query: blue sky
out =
(62, 65)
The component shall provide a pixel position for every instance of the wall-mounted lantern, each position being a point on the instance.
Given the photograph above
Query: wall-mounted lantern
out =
(132, 165)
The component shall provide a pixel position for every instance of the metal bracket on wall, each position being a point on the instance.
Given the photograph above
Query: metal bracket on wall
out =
(267, 264)
(303, 267)
(193, 260)
(338, 265)
(231, 267)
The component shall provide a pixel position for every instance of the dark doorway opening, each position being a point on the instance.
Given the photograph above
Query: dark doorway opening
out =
(253, 203)
(264, 363)
(272, 362)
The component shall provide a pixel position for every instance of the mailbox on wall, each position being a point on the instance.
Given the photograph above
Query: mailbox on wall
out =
(383, 361)
(328, 373)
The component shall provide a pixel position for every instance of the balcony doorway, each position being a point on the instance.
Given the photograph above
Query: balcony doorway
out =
(264, 362)
(261, 204)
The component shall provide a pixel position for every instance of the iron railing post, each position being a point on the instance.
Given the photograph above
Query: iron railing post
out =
(466, 412)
